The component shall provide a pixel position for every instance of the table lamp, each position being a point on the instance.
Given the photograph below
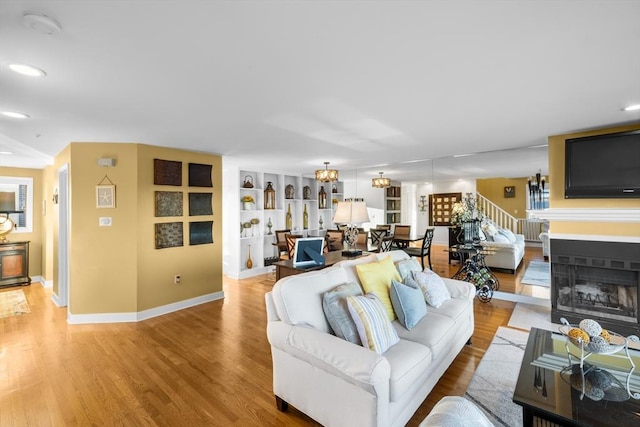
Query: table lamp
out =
(352, 213)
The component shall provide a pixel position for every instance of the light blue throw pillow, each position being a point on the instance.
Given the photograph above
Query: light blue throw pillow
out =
(406, 267)
(408, 303)
(334, 304)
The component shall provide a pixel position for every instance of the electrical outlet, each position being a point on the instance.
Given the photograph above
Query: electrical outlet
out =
(176, 279)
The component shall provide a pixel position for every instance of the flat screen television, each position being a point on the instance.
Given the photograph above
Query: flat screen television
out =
(603, 166)
(308, 252)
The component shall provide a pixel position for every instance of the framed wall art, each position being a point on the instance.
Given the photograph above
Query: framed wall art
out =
(168, 203)
(510, 192)
(200, 232)
(200, 204)
(105, 196)
(440, 207)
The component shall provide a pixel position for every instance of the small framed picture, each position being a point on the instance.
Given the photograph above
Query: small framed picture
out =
(105, 196)
(509, 192)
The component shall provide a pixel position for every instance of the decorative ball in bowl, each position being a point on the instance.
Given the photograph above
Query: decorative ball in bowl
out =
(590, 336)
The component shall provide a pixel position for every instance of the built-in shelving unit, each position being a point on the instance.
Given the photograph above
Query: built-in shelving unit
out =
(255, 241)
(392, 205)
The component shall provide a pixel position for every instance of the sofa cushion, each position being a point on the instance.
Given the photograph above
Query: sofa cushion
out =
(408, 361)
(334, 304)
(298, 298)
(500, 238)
(508, 234)
(408, 303)
(374, 327)
(407, 267)
(434, 331)
(434, 290)
(349, 266)
(376, 278)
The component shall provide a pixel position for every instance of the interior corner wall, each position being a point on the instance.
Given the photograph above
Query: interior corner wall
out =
(493, 189)
(103, 260)
(50, 217)
(200, 266)
(35, 237)
(556, 192)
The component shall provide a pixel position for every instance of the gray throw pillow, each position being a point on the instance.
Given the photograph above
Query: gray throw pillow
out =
(334, 304)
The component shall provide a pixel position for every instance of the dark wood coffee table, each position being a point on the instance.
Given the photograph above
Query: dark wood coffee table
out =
(545, 392)
(285, 268)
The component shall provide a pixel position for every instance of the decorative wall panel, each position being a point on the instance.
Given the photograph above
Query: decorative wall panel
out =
(169, 235)
(167, 172)
(200, 232)
(200, 204)
(169, 203)
(440, 207)
(200, 175)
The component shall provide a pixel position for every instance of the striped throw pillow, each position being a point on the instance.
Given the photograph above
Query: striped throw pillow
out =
(372, 322)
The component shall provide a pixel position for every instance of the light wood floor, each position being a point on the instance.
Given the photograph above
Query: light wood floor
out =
(207, 365)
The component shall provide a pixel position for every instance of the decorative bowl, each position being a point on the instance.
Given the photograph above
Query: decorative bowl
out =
(617, 343)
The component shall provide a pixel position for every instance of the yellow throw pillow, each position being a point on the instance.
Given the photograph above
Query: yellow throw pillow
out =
(376, 278)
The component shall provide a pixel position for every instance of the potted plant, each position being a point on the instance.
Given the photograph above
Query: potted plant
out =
(247, 202)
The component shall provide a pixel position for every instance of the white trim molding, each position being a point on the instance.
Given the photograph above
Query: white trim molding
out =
(587, 214)
(76, 319)
(594, 237)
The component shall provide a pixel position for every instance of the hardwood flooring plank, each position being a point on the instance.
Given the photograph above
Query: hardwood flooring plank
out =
(208, 365)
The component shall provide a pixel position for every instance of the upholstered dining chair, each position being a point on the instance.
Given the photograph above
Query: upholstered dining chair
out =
(401, 231)
(281, 242)
(424, 250)
(334, 240)
(363, 240)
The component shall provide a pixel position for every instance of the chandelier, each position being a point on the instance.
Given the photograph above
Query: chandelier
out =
(380, 182)
(326, 174)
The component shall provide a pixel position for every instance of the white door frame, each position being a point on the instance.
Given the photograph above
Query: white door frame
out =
(62, 299)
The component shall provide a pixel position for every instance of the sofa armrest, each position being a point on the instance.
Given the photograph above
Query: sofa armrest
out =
(460, 289)
(500, 246)
(334, 355)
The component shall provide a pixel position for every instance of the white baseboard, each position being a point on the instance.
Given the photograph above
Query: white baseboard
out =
(76, 319)
(56, 300)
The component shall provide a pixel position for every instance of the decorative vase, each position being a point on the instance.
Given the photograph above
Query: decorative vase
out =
(289, 191)
(247, 206)
(249, 261)
(321, 221)
(305, 218)
(306, 192)
(269, 225)
(289, 220)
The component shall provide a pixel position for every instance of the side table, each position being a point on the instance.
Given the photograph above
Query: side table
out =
(474, 270)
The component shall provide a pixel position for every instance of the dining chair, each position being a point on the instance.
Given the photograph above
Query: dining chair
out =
(363, 241)
(424, 250)
(334, 240)
(291, 244)
(385, 244)
(281, 242)
(386, 227)
(401, 232)
(377, 234)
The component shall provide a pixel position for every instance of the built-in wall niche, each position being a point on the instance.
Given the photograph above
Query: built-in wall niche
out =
(16, 201)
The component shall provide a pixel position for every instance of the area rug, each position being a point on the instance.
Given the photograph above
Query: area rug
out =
(493, 383)
(13, 303)
(527, 316)
(538, 274)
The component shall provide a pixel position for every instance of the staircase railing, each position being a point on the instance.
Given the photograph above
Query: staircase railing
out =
(496, 214)
(531, 228)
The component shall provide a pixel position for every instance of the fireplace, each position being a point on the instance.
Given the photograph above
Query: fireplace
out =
(596, 280)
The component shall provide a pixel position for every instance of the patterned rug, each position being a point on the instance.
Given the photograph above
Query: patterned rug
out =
(538, 274)
(13, 303)
(493, 383)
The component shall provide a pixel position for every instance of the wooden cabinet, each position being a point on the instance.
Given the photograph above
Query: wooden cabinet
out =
(14, 264)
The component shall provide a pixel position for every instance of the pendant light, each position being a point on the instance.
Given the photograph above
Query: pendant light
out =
(380, 182)
(326, 174)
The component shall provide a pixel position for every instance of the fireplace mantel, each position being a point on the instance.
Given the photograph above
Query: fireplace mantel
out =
(586, 214)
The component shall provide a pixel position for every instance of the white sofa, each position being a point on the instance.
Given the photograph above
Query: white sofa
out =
(338, 383)
(507, 256)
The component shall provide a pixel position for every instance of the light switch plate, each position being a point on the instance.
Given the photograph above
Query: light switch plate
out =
(104, 221)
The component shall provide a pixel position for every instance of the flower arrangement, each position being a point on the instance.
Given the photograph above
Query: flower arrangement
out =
(247, 199)
(466, 210)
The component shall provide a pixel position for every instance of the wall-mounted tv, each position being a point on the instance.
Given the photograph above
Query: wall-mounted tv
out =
(603, 166)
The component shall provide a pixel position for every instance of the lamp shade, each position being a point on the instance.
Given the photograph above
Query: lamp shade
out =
(380, 182)
(351, 213)
(326, 174)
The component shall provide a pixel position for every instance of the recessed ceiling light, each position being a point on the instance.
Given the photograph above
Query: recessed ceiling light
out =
(27, 70)
(635, 107)
(15, 115)
(41, 23)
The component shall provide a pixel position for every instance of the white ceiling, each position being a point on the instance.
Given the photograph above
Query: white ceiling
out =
(287, 85)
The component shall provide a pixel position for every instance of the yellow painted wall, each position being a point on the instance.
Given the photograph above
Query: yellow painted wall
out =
(63, 158)
(200, 266)
(117, 269)
(35, 238)
(50, 179)
(493, 189)
(556, 192)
